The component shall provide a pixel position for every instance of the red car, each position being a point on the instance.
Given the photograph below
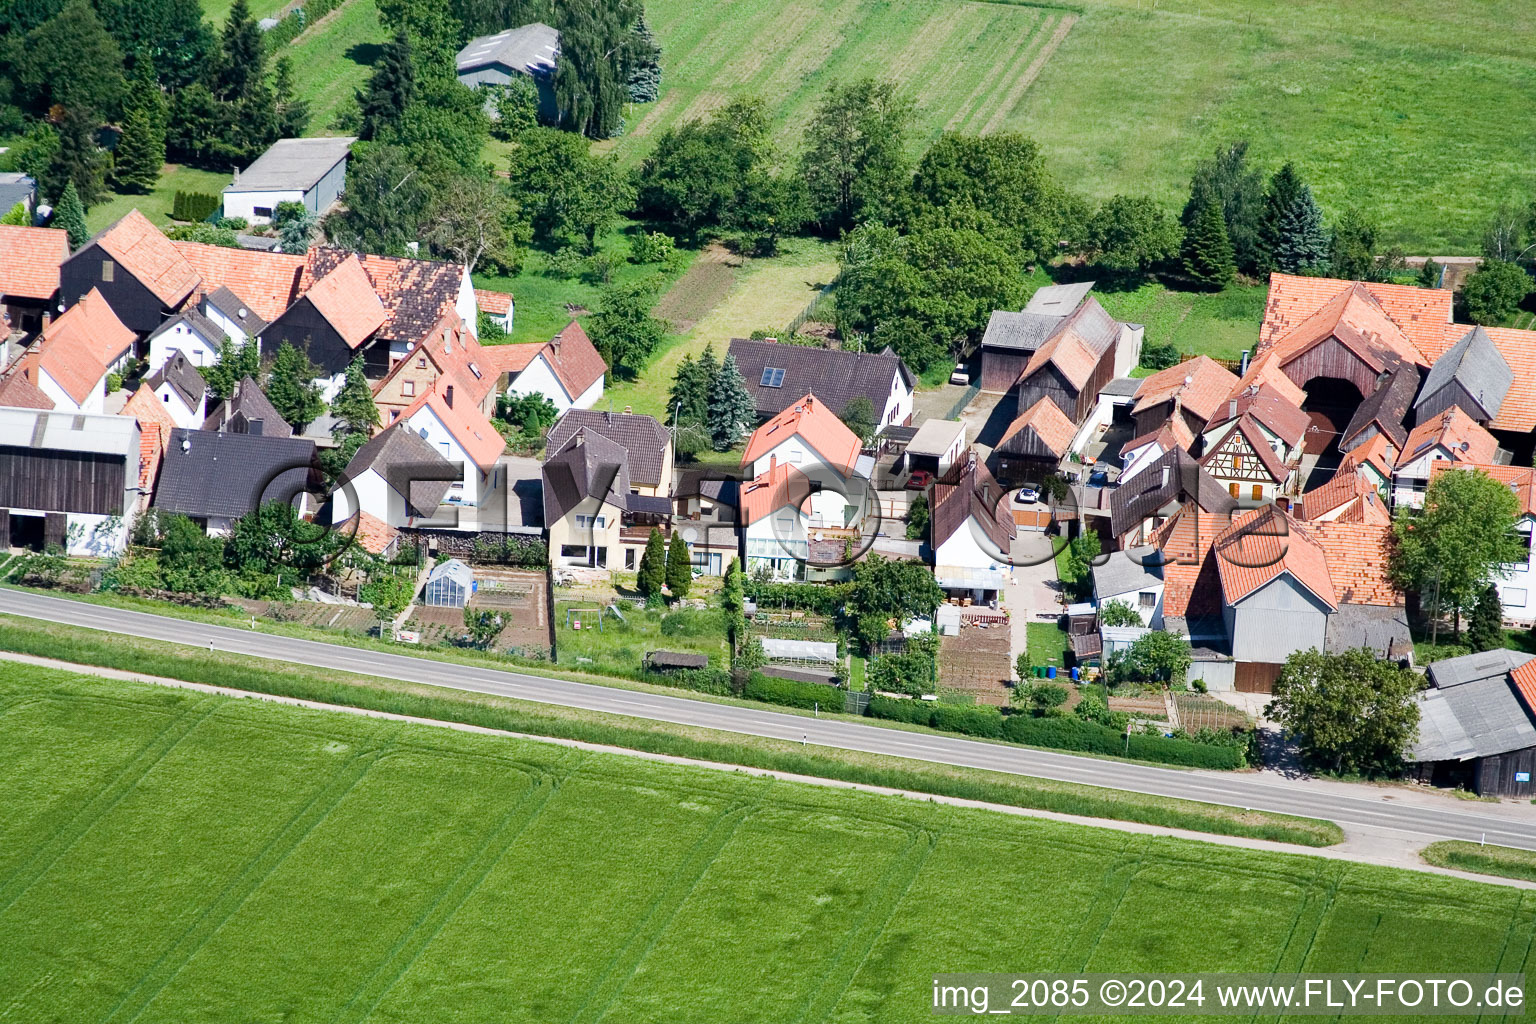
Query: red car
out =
(919, 480)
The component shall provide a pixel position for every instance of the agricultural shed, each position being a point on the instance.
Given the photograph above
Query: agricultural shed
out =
(308, 171)
(450, 585)
(1475, 724)
(670, 661)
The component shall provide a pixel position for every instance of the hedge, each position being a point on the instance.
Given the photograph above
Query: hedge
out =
(296, 21)
(812, 597)
(1056, 732)
(792, 693)
(194, 206)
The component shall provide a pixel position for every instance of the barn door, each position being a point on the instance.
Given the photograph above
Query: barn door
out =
(1255, 677)
(55, 530)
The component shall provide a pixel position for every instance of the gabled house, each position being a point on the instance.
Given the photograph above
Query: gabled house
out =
(971, 530)
(647, 444)
(776, 522)
(465, 438)
(29, 274)
(1075, 362)
(809, 437)
(706, 512)
(1477, 725)
(1376, 459)
(397, 478)
(231, 314)
(68, 480)
(451, 359)
(1516, 581)
(155, 426)
(312, 172)
(1193, 391)
(135, 269)
(531, 51)
(586, 495)
(181, 390)
(334, 320)
(1247, 461)
(497, 307)
(1011, 340)
(1348, 336)
(567, 369)
(1171, 482)
(1034, 444)
(1134, 578)
(1282, 420)
(1348, 496)
(247, 411)
(263, 284)
(1140, 452)
(71, 361)
(1453, 436)
(1385, 410)
(1472, 375)
(215, 478)
(776, 374)
(1277, 594)
(189, 333)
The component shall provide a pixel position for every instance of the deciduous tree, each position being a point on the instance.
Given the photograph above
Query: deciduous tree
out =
(238, 359)
(1238, 191)
(471, 220)
(855, 164)
(1494, 291)
(885, 590)
(623, 328)
(859, 417)
(291, 388)
(1131, 235)
(1349, 712)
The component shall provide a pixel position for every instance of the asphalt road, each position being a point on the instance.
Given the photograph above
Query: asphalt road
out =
(1423, 821)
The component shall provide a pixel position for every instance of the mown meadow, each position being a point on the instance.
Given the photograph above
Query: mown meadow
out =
(173, 856)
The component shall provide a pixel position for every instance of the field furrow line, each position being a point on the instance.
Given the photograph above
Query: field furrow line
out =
(240, 887)
(419, 935)
(964, 112)
(892, 888)
(1027, 79)
(1117, 883)
(109, 796)
(1313, 909)
(1524, 920)
(606, 991)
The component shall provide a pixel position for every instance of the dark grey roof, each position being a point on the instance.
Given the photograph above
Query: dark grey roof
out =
(1059, 299)
(1382, 629)
(198, 324)
(234, 307)
(588, 465)
(183, 378)
(532, 49)
(259, 243)
(834, 376)
(654, 504)
(676, 659)
(1387, 406)
(642, 437)
(1023, 332)
(16, 187)
(414, 468)
(1473, 709)
(1122, 387)
(711, 485)
(248, 412)
(1174, 477)
(1477, 366)
(211, 474)
(1127, 571)
(292, 164)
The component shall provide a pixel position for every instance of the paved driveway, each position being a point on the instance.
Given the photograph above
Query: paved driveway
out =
(1031, 588)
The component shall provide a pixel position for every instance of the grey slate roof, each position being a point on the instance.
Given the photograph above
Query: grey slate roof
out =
(234, 307)
(1473, 709)
(702, 483)
(1175, 476)
(588, 465)
(1059, 299)
(198, 324)
(1122, 387)
(834, 376)
(292, 164)
(248, 412)
(1382, 629)
(414, 468)
(16, 187)
(211, 474)
(532, 49)
(183, 378)
(1387, 406)
(1127, 571)
(1023, 331)
(1477, 366)
(642, 437)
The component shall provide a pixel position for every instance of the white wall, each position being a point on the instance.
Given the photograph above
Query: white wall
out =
(181, 415)
(898, 407)
(1140, 459)
(1152, 616)
(95, 536)
(243, 204)
(371, 493)
(1414, 473)
(539, 379)
(967, 548)
(465, 304)
(62, 402)
(236, 330)
(1128, 349)
(469, 490)
(777, 541)
(1517, 587)
(181, 339)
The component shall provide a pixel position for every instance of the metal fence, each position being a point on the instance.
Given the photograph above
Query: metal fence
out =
(811, 311)
(965, 400)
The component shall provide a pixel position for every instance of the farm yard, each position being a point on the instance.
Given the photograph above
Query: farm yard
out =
(189, 854)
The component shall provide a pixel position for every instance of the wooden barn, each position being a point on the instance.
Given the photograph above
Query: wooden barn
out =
(1476, 725)
(1033, 445)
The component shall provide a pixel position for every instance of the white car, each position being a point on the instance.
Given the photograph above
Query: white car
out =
(959, 376)
(1027, 496)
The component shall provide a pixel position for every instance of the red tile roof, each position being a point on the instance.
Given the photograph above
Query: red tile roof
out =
(817, 426)
(458, 356)
(415, 293)
(373, 533)
(1347, 490)
(494, 303)
(1174, 433)
(29, 261)
(77, 348)
(1265, 370)
(1049, 423)
(1518, 412)
(1462, 438)
(155, 426)
(780, 486)
(267, 282)
(1421, 313)
(1358, 555)
(1520, 479)
(18, 392)
(1379, 453)
(144, 251)
(1200, 384)
(1270, 406)
(468, 425)
(1524, 678)
(345, 297)
(1264, 544)
(575, 360)
(513, 359)
(1360, 324)
(1190, 583)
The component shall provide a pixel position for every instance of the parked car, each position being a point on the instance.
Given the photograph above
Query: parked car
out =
(1027, 496)
(1098, 478)
(919, 480)
(960, 376)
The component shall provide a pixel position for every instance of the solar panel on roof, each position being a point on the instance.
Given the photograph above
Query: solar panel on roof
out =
(773, 377)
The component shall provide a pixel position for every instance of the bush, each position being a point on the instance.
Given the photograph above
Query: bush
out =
(234, 223)
(1159, 357)
(792, 693)
(913, 712)
(194, 206)
(811, 597)
(1068, 733)
(983, 721)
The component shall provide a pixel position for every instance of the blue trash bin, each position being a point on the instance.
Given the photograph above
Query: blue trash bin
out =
(1050, 672)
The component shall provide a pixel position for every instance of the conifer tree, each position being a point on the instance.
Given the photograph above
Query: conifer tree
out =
(1485, 626)
(731, 409)
(391, 88)
(78, 159)
(679, 567)
(644, 64)
(140, 152)
(1207, 250)
(238, 359)
(653, 565)
(689, 397)
(17, 217)
(69, 216)
(291, 387)
(242, 64)
(354, 402)
(1292, 232)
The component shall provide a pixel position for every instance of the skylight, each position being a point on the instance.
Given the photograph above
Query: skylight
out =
(773, 377)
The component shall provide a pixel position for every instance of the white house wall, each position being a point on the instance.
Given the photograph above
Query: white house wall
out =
(1128, 349)
(965, 549)
(466, 306)
(181, 339)
(62, 402)
(1517, 585)
(181, 415)
(898, 406)
(1151, 615)
(244, 204)
(539, 379)
(779, 542)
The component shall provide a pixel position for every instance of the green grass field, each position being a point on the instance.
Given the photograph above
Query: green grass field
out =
(333, 58)
(170, 856)
(624, 644)
(1406, 109)
(157, 204)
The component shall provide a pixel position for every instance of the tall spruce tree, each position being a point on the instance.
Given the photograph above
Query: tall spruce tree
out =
(688, 400)
(1239, 190)
(644, 64)
(391, 88)
(1207, 250)
(69, 217)
(1485, 626)
(140, 152)
(291, 387)
(78, 159)
(653, 565)
(679, 567)
(242, 63)
(731, 409)
(354, 406)
(1292, 232)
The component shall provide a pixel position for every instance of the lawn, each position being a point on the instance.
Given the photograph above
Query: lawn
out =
(1047, 644)
(217, 11)
(1405, 110)
(332, 59)
(199, 858)
(623, 644)
(156, 205)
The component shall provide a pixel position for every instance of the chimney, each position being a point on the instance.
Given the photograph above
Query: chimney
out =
(627, 409)
(237, 174)
(773, 462)
(448, 395)
(1232, 409)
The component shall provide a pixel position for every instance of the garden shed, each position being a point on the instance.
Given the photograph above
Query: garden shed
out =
(450, 585)
(668, 661)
